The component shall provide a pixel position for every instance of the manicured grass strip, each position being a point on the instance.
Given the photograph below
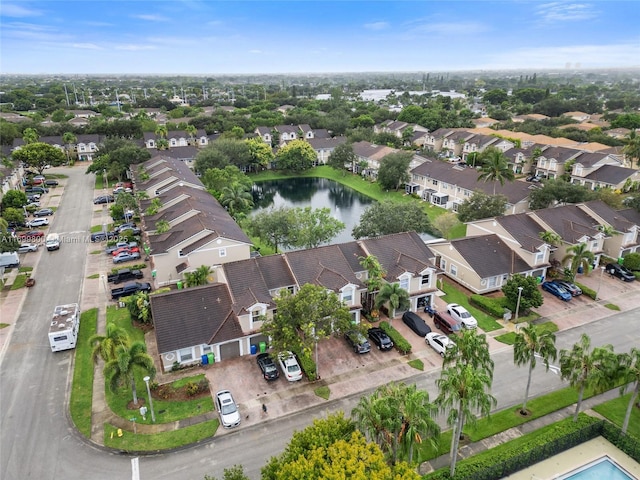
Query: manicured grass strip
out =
(454, 295)
(94, 276)
(130, 442)
(616, 409)
(417, 364)
(4, 325)
(19, 281)
(82, 388)
(323, 392)
(25, 269)
(510, 338)
(611, 306)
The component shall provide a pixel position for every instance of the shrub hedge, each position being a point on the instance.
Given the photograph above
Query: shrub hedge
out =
(401, 343)
(587, 291)
(308, 365)
(493, 306)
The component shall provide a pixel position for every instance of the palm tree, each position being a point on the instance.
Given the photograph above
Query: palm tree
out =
(236, 199)
(154, 206)
(138, 306)
(105, 346)
(470, 349)
(396, 296)
(630, 363)
(579, 256)
(161, 131)
(417, 421)
(120, 370)
(30, 135)
(375, 274)
(198, 277)
(528, 346)
(632, 149)
(552, 238)
(191, 131)
(586, 368)
(495, 167)
(69, 140)
(162, 226)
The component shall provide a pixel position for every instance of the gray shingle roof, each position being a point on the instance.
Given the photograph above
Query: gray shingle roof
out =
(569, 221)
(489, 256)
(613, 217)
(612, 174)
(400, 253)
(524, 229)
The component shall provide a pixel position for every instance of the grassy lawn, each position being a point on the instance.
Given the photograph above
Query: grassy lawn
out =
(159, 441)
(510, 338)
(323, 392)
(94, 276)
(615, 411)
(82, 388)
(417, 364)
(612, 306)
(4, 325)
(453, 295)
(19, 281)
(25, 269)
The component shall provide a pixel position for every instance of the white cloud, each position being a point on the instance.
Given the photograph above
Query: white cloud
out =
(13, 10)
(565, 12)
(134, 48)
(256, 52)
(151, 17)
(86, 46)
(450, 28)
(376, 26)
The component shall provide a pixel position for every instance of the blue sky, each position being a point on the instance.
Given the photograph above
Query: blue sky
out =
(235, 36)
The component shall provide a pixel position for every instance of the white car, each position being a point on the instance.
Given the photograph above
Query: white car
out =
(439, 342)
(28, 247)
(227, 409)
(290, 367)
(38, 222)
(462, 315)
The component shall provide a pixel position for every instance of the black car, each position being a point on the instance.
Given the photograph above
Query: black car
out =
(51, 183)
(43, 212)
(572, 288)
(358, 342)
(619, 271)
(103, 199)
(103, 236)
(268, 366)
(380, 338)
(416, 323)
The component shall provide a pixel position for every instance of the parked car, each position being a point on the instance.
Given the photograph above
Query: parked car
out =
(28, 247)
(34, 197)
(37, 180)
(38, 222)
(30, 235)
(358, 342)
(533, 178)
(35, 204)
(267, 366)
(445, 322)
(112, 248)
(123, 275)
(103, 199)
(380, 338)
(439, 342)
(51, 183)
(39, 190)
(572, 288)
(103, 236)
(227, 409)
(290, 367)
(43, 212)
(617, 270)
(461, 314)
(556, 290)
(125, 249)
(416, 323)
(126, 256)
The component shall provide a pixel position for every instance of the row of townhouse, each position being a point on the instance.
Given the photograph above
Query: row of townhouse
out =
(85, 148)
(497, 248)
(224, 317)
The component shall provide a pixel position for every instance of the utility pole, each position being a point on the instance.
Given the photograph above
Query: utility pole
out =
(66, 94)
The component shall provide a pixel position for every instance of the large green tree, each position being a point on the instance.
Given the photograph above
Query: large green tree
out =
(274, 227)
(8, 243)
(342, 157)
(530, 297)
(394, 170)
(260, 153)
(315, 226)
(585, 367)
(14, 199)
(296, 156)
(495, 167)
(530, 343)
(128, 359)
(630, 363)
(237, 199)
(557, 191)
(38, 155)
(105, 346)
(216, 179)
(387, 217)
(631, 149)
(480, 205)
(223, 152)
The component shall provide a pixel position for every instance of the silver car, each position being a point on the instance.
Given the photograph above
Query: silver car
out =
(227, 409)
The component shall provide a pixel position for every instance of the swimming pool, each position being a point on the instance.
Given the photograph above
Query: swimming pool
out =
(603, 468)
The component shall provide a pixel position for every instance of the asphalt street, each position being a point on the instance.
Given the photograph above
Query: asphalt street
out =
(37, 439)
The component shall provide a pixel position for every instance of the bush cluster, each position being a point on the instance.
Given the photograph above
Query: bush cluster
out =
(587, 291)
(194, 388)
(493, 306)
(308, 365)
(400, 343)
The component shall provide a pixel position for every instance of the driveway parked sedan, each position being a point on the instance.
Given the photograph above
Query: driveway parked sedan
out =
(572, 288)
(380, 338)
(126, 256)
(458, 312)
(43, 212)
(290, 367)
(439, 342)
(267, 366)
(28, 247)
(38, 222)
(227, 409)
(416, 323)
(557, 290)
(620, 272)
(125, 249)
(31, 234)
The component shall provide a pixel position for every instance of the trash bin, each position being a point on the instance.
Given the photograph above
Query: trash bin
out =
(263, 347)
(205, 360)
(254, 349)
(212, 358)
(179, 284)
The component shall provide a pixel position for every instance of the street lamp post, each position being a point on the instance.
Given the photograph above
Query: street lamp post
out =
(518, 303)
(599, 283)
(153, 415)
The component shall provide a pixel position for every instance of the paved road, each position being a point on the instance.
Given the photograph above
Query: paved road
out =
(37, 441)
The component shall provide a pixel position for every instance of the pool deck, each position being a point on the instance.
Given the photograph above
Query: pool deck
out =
(576, 457)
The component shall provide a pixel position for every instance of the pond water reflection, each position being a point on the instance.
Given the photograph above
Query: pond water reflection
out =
(346, 204)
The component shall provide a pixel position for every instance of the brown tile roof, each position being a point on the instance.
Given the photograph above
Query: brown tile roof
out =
(194, 316)
(524, 229)
(489, 256)
(369, 150)
(400, 253)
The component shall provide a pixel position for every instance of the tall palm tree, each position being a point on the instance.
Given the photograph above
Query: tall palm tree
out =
(579, 256)
(105, 346)
(69, 140)
(120, 370)
(528, 346)
(162, 226)
(375, 274)
(630, 363)
(552, 238)
(495, 167)
(470, 349)
(396, 296)
(632, 148)
(587, 368)
(198, 277)
(191, 131)
(236, 199)
(417, 421)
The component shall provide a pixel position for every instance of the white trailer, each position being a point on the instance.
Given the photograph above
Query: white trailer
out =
(63, 331)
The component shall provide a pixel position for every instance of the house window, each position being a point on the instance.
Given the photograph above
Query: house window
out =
(539, 258)
(434, 181)
(181, 253)
(445, 186)
(404, 283)
(443, 264)
(207, 349)
(453, 270)
(493, 281)
(173, 142)
(347, 296)
(594, 246)
(185, 355)
(578, 171)
(425, 279)
(223, 252)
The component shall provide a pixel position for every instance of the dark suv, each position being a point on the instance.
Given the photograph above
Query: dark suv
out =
(358, 342)
(619, 271)
(445, 322)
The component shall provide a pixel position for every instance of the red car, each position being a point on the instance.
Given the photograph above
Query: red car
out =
(25, 236)
(125, 249)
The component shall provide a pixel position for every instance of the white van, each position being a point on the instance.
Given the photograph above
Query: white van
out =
(52, 242)
(9, 260)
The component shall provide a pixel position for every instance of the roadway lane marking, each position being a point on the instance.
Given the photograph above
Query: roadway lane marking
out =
(135, 470)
